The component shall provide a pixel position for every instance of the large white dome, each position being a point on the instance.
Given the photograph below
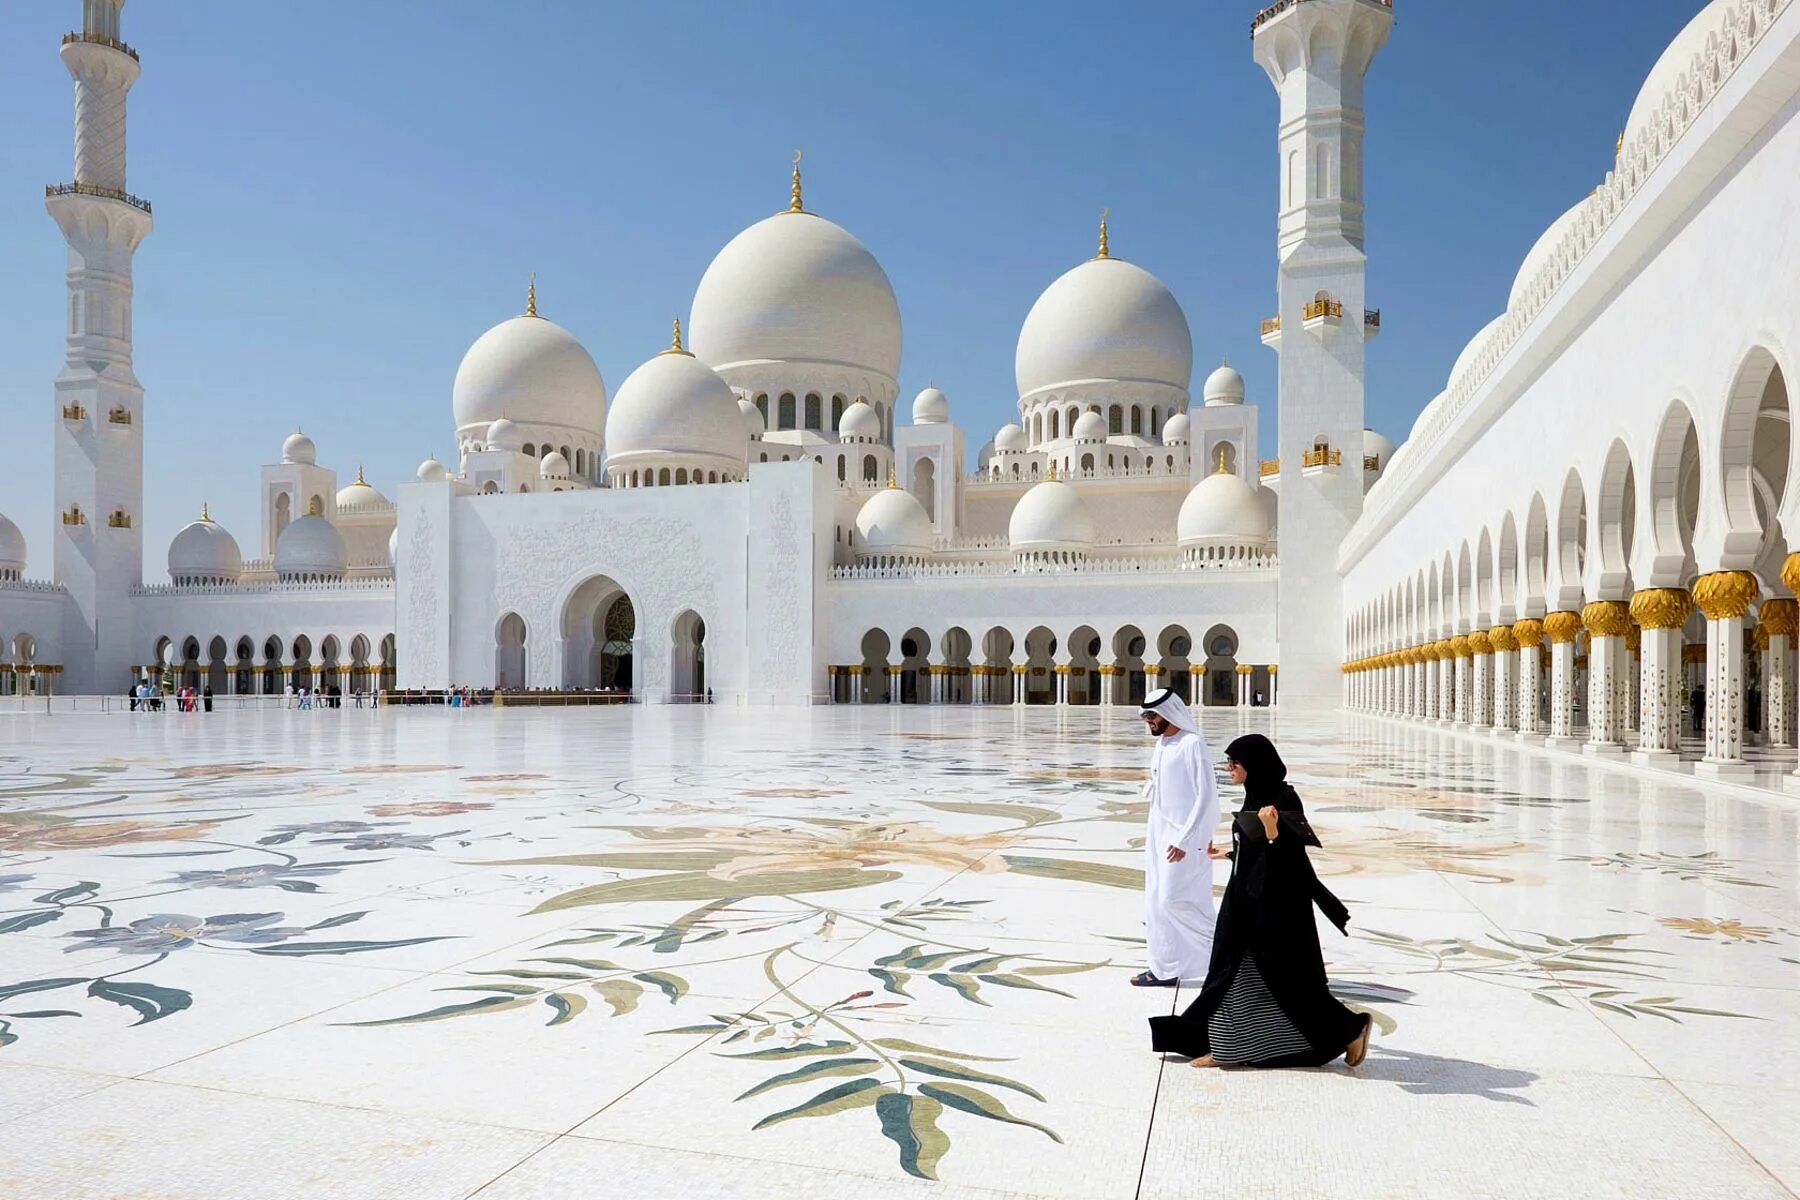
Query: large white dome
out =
(533, 372)
(308, 549)
(892, 521)
(12, 549)
(1051, 516)
(1222, 509)
(676, 405)
(796, 288)
(204, 552)
(1677, 60)
(1542, 251)
(1105, 320)
(359, 493)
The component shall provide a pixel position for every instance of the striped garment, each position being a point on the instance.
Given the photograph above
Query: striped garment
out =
(1249, 1027)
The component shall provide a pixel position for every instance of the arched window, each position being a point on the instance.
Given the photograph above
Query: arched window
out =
(662, 477)
(813, 419)
(531, 453)
(785, 411)
(1137, 419)
(1155, 421)
(762, 406)
(1115, 420)
(1053, 433)
(1087, 462)
(870, 466)
(680, 474)
(837, 411)
(841, 468)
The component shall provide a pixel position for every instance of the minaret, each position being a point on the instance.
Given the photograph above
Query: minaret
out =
(1317, 52)
(99, 402)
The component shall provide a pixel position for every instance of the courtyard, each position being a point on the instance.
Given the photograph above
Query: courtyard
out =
(841, 951)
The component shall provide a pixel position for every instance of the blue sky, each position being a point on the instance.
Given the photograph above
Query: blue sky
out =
(348, 194)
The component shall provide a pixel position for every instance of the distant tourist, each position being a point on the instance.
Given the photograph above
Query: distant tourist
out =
(1266, 1002)
(1184, 810)
(207, 697)
(287, 692)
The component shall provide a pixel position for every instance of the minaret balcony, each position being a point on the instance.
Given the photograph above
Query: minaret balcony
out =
(1321, 458)
(1269, 467)
(100, 39)
(119, 416)
(52, 190)
(1371, 324)
(1271, 332)
(1280, 6)
(1323, 315)
(74, 412)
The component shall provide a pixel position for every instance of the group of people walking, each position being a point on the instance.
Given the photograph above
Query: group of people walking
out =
(1264, 1000)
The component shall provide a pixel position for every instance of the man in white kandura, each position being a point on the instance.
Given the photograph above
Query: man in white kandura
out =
(1184, 810)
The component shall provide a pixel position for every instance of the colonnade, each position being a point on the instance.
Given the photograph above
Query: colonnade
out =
(1522, 679)
(1019, 683)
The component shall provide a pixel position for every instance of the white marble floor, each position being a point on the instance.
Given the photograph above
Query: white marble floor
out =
(850, 951)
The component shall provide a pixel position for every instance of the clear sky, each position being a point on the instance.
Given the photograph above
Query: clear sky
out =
(348, 193)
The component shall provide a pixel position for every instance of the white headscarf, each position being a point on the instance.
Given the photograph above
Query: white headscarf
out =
(1171, 708)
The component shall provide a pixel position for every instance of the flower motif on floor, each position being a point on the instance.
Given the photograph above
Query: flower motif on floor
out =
(429, 808)
(771, 849)
(167, 932)
(1707, 927)
(287, 833)
(38, 831)
(296, 877)
(388, 841)
(14, 883)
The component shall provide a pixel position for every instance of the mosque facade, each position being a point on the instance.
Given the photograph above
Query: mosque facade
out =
(752, 515)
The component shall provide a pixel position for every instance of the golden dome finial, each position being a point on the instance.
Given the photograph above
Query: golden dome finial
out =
(1223, 469)
(204, 515)
(892, 482)
(359, 476)
(1105, 251)
(1051, 477)
(794, 204)
(531, 296)
(675, 346)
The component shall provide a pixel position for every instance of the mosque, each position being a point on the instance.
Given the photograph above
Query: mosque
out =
(750, 515)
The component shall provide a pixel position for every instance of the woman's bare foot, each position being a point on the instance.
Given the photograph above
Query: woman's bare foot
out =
(1358, 1050)
(1205, 1060)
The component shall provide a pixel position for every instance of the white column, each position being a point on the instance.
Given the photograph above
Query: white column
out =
(1607, 622)
(1779, 616)
(1529, 633)
(1725, 598)
(1506, 663)
(1481, 686)
(1459, 646)
(1274, 671)
(1661, 613)
(1561, 628)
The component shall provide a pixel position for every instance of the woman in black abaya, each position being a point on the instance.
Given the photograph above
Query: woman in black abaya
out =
(1266, 1002)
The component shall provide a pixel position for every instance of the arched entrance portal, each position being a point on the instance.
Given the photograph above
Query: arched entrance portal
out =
(1221, 645)
(599, 626)
(509, 653)
(687, 676)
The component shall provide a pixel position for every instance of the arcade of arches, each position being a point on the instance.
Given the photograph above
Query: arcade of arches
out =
(1080, 667)
(1644, 606)
(247, 667)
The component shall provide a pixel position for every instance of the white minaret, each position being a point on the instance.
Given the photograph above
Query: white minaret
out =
(99, 402)
(1316, 52)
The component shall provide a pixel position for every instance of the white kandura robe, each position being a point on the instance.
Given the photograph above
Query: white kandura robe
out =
(1178, 897)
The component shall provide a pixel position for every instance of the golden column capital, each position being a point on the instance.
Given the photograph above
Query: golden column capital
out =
(1502, 639)
(1606, 618)
(1274, 669)
(1661, 608)
(1790, 572)
(1530, 632)
(1779, 616)
(1759, 637)
(1634, 638)
(1725, 595)
(1200, 670)
(1245, 668)
(1480, 643)
(1562, 626)
(1459, 646)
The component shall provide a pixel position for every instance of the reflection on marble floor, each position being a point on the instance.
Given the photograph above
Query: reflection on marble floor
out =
(837, 951)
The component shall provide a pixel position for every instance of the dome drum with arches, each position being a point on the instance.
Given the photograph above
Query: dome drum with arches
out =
(675, 413)
(535, 373)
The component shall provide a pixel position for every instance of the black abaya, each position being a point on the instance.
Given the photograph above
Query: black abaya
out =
(1267, 915)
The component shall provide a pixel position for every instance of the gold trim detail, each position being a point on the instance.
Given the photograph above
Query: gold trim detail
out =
(1661, 608)
(1606, 618)
(1562, 626)
(1502, 639)
(1725, 595)
(1779, 616)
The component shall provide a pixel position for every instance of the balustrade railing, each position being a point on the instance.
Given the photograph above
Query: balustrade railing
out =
(1275, 10)
(92, 189)
(100, 39)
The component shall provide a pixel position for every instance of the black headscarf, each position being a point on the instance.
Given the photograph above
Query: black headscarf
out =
(1265, 775)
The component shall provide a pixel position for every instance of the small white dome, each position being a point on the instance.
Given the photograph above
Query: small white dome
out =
(310, 548)
(1466, 360)
(298, 448)
(1105, 320)
(394, 547)
(1676, 62)
(1379, 448)
(532, 371)
(203, 552)
(796, 288)
(1541, 253)
(892, 521)
(860, 422)
(1089, 427)
(359, 493)
(1011, 439)
(12, 548)
(1425, 415)
(504, 435)
(930, 407)
(675, 404)
(554, 466)
(1222, 509)
(1224, 386)
(1175, 430)
(754, 424)
(433, 471)
(1051, 516)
